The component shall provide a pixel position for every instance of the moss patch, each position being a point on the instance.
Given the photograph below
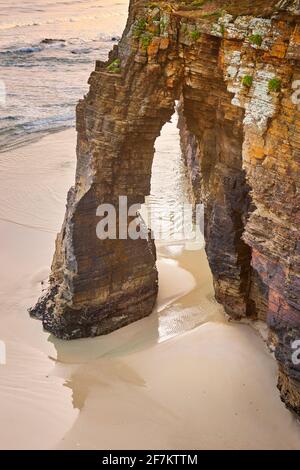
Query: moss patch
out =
(247, 81)
(140, 27)
(195, 35)
(274, 85)
(256, 39)
(146, 39)
(114, 67)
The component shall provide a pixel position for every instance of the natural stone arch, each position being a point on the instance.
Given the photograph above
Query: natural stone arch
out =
(234, 129)
(100, 285)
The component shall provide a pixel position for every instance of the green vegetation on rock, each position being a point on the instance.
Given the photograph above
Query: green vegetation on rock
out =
(256, 39)
(146, 39)
(198, 4)
(247, 81)
(213, 14)
(114, 67)
(139, 27)
(274, 85)
(195, 35)
(192, 5)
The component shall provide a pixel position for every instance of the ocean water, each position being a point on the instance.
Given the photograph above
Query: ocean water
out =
(47, 52)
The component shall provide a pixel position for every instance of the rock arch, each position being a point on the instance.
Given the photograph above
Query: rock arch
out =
(100, 285)
(242, 134)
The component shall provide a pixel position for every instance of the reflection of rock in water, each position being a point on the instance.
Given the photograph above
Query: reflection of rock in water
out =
(99, 374)
(79, 394)
(96, 363)
(83, 380)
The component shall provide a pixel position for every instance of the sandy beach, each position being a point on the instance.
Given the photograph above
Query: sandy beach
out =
(185, 376)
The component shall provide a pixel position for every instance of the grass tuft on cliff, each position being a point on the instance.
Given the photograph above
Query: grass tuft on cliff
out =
(146, 39)
(256, 39)
(114, 67)
(140, 27)
(195, 35)
(247, 81)
(274, 85)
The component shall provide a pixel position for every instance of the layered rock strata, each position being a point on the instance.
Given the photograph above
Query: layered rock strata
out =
(235, 69)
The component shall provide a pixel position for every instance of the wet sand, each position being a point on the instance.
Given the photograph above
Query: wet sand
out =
(182, 378)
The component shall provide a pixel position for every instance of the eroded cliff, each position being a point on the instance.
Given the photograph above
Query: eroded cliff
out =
(234, 66)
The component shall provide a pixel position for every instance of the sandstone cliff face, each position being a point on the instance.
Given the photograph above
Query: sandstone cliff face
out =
(250, 180)
(234, 73)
